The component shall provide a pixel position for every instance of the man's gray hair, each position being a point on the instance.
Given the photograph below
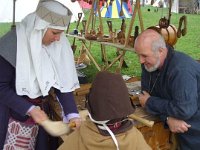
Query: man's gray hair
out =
(158, 43)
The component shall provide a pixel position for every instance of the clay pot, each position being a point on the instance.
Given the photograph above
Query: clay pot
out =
(169, 34)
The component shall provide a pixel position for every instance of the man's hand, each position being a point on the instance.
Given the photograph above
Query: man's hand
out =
(38, 115)
(177, 126)
(143, 97)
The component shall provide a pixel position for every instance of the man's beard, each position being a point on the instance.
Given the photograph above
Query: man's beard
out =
(155, 67)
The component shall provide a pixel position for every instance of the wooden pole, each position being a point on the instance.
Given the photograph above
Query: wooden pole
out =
(136, 9)
(90, 17)
(13, 22)
(100, 19)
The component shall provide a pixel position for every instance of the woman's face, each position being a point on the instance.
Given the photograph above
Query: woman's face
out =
(51, 35)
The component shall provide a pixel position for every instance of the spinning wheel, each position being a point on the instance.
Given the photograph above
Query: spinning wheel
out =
(123, 41)
(169, 31)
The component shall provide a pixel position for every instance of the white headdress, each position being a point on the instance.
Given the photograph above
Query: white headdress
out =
(39, 67)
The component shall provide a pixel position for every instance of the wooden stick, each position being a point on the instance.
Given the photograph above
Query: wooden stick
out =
(136, 10)
(91, 57)
(140, 18)
(83, 114)
(100, 19)
(116, 59)
(142, 120)
(90, 17)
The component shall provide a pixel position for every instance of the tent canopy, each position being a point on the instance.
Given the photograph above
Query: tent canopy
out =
(113, 11)
(185, 6)
(24, 7)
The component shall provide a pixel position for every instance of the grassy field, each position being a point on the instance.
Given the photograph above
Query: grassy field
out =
(189, 44)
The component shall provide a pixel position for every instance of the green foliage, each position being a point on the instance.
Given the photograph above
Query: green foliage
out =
(4, 27)
(189, 44)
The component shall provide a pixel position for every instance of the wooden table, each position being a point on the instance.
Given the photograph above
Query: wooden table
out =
(156, 136)
(122, 49)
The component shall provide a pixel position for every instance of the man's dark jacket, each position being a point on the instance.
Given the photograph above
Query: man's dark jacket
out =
(176, 93)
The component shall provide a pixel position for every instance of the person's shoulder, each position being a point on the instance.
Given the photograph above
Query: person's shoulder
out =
(183, 58)
(183, 63)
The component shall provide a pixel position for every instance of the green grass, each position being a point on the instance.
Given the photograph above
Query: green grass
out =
(189, 44)
(4, 27)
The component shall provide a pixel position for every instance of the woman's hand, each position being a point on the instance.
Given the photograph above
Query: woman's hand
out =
(75, 122)
(38, 115)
